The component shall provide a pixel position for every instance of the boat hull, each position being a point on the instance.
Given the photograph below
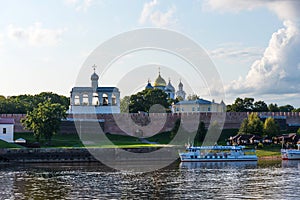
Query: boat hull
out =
(288, 154)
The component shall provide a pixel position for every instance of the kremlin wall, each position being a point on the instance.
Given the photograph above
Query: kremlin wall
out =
(158, 122)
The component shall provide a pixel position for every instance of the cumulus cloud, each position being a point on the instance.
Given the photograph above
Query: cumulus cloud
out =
(35, 35)
(277, 72)
(156, 17)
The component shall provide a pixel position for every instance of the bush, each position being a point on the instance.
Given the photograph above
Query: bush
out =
(260, 145)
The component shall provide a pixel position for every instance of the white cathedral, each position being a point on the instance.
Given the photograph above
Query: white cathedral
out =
(94, 99)
(106, 100)
(161, 84)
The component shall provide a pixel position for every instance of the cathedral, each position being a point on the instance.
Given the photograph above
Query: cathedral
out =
(94, 99)
(161, 84)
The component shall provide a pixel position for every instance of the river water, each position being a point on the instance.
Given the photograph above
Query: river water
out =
(263, 180)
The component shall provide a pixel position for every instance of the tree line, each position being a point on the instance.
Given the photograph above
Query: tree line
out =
(250, 105)
(22, 104)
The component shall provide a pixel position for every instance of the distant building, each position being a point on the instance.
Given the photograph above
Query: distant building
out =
(94, 99)
(7, 129)
(199, 105)
(161, 84)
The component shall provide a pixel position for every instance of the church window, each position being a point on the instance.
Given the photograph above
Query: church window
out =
(95, 99)
(4, 130)
(104, 99)
(85, 99)
(208, 109)
(76, 100)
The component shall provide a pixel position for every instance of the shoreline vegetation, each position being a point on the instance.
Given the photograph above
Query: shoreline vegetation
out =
(63, 141)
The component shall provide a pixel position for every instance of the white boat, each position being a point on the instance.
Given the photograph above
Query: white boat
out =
(291, 154)
(217, 154)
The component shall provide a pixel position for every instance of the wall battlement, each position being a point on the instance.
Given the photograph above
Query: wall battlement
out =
(129, 122)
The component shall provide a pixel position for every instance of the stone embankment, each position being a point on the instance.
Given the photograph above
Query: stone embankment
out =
(62, 155)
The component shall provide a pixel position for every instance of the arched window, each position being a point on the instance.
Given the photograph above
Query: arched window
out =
(85, 99)
(104, 99)
(95, 99)
(76, 100)
(113, 100)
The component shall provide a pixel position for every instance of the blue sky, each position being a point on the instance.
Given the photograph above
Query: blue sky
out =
(253, 44)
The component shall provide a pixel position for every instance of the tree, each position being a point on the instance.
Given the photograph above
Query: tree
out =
(273, 108)
(201, 132)
(251, 125)
(271, 128)
(286, 108)
(298, 131)
(260, 106)
(44, 120)
(124, 104)
(192, 97)
(244, 130)
(144, 100)
(241, 105)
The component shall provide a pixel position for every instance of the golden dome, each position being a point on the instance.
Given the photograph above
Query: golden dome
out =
(159, 82)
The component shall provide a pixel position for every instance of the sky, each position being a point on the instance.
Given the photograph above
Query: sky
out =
(254, 46)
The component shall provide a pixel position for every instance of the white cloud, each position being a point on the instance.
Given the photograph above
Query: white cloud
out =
(35, 35)
(277, 72)
(237, 51)
(80, 5)
(156, 17)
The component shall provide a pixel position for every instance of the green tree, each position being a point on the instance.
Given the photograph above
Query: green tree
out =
(44, 120)
(286, 108)
(271, 128)
(298, 131)
(142, 101)
(260, 106)
(124, 104)
(175, 128)
(192, 97)
(241, 105)
(273, 107)
(201, 132)
(251, 125)
(244, 130)
(255, 125)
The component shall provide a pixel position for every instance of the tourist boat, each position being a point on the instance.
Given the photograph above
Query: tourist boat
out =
(217, 154)
(291, 154)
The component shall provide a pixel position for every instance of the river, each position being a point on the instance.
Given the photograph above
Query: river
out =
(263, 180)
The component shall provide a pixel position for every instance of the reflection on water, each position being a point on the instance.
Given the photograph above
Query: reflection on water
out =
(242, 180)
(218, 165)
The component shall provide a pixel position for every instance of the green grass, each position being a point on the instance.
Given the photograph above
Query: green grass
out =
(271, 150)
(4, 144)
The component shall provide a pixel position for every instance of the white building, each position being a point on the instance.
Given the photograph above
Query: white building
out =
(7, 129)
(94, 99)
(199, 105)
(161, 84)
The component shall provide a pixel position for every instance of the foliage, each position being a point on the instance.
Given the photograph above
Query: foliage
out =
(44, 120)
(24, 103)
(192, 97)
(273, 107)
(286, 108)
(201, 132)
(298, 131)
(244, 127)
(144, 100)
(271, 128)
(124, 104)
(249, 105)
(175, 129)
(251, 125)
(260, 145)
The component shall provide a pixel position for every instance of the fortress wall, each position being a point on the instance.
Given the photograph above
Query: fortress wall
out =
(125, 123)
